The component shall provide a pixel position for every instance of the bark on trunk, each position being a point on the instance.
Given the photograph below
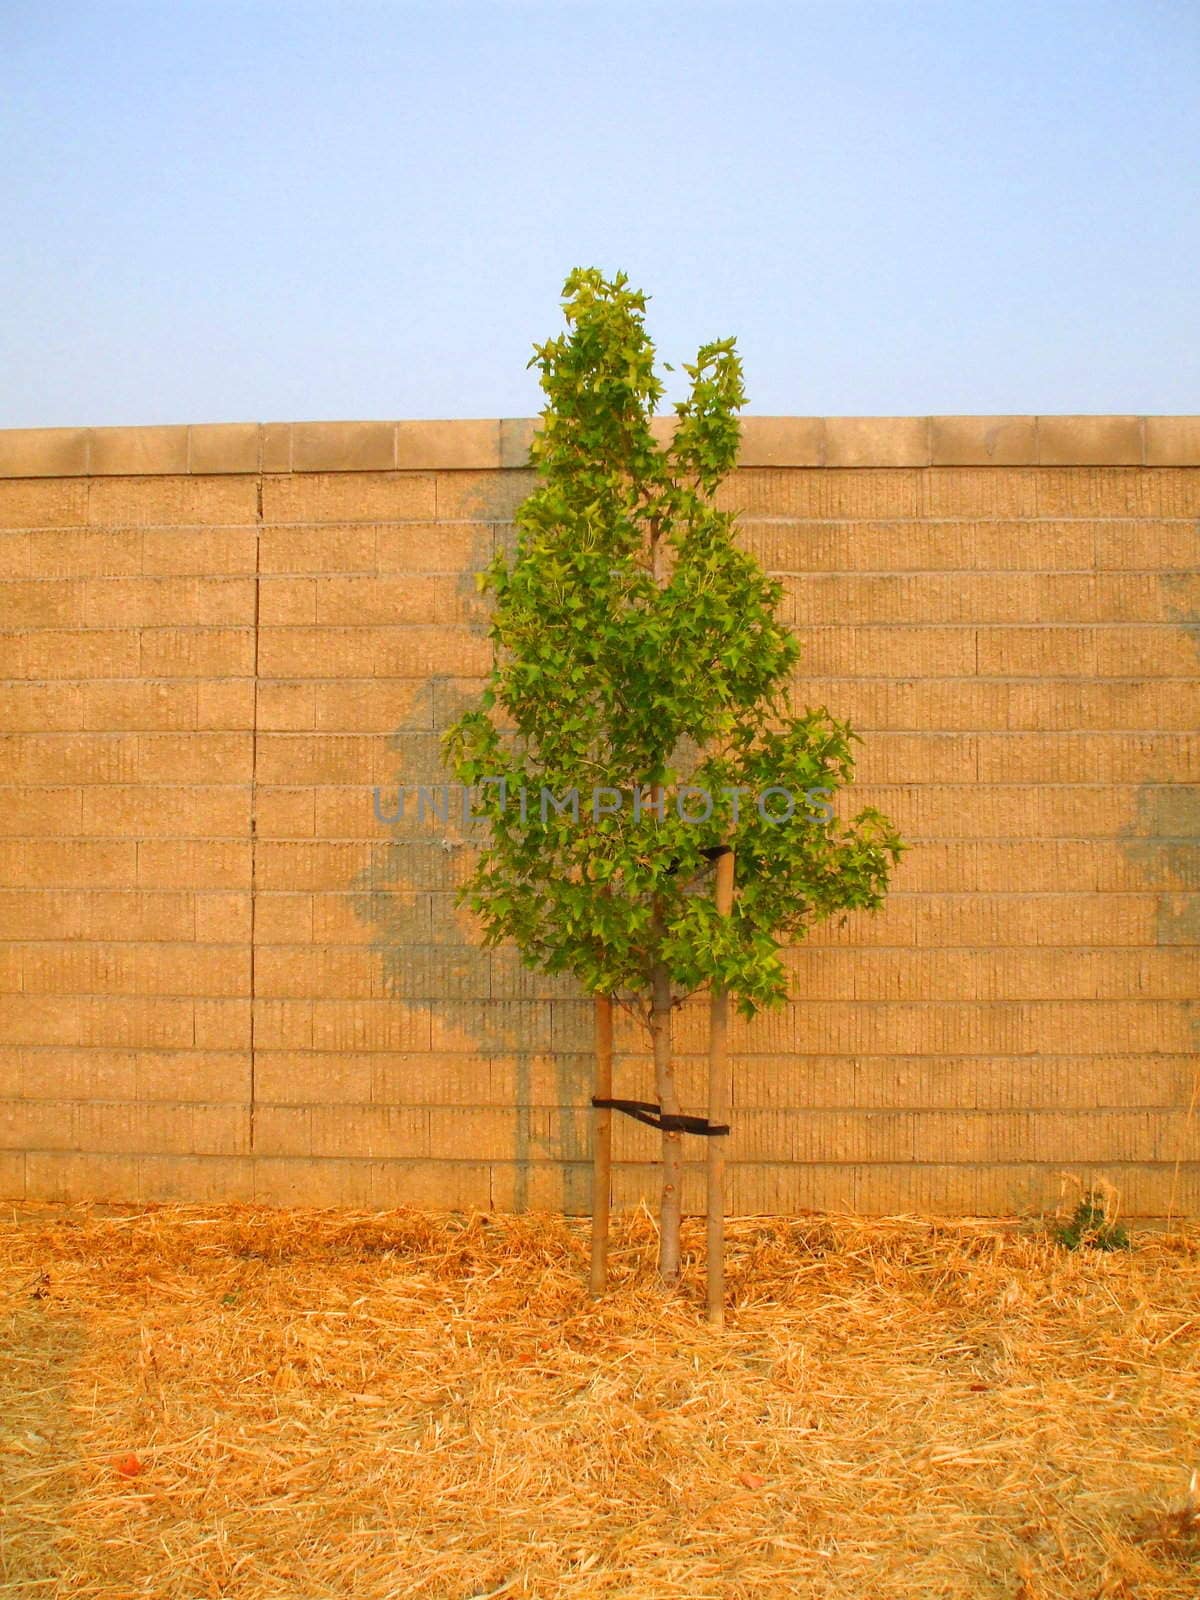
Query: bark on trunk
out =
(718, 1112)
(672, 1142)
(602, 1144)
(670, 1207)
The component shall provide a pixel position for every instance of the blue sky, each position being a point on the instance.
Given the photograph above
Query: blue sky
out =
(257, 211)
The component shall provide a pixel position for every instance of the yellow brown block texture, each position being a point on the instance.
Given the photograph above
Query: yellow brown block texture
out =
(223, 976)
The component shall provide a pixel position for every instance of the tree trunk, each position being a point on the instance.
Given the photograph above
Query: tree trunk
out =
(672, 1142)
(718, 1112)
(602, 1144)
(670, 1207)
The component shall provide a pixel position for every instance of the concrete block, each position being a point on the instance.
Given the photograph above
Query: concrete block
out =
(1090, 441)
(429, 446)
(343, 446)
(44, 452)
(224, 447)
(132, 452)
(877, 442)
(782, 442)
(983, 441)
(1172, 441)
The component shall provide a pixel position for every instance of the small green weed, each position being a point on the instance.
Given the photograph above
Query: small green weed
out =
(1093, 1224)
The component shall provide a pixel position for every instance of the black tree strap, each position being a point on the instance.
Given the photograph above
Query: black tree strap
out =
(655, 1117)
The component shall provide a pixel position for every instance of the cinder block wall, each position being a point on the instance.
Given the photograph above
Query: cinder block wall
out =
(223, 978)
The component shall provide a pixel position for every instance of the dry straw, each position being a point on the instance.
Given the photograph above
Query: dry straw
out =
(253, 1403)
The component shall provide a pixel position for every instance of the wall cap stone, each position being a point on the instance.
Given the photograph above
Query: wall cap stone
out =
(489, 444)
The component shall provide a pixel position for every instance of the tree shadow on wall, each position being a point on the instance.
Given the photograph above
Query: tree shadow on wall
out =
(480, 1001)
(1162, 843)
(1162, 839)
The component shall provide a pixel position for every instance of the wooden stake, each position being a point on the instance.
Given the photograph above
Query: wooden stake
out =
(602, 1144)
(718, 1112)
(671, 1205)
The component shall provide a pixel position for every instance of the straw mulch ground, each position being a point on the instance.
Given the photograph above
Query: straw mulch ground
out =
(250, 1403)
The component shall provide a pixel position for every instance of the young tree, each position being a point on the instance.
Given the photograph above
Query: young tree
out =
(637, 720)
